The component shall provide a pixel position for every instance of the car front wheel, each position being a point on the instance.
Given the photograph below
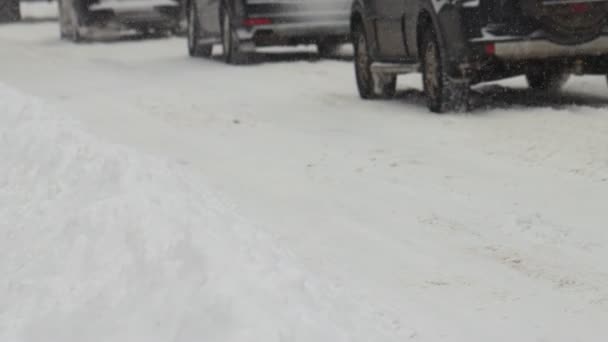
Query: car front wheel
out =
(546, 79)
(75, 35)
(10, 11)
(328, 48)
(63, 20)
(230, 41)
(443, 92)
(195, 49)
(69, 21)
(369, 85)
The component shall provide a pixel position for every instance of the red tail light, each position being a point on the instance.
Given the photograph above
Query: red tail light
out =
(490, 49)
(256, 21)
(579, 8)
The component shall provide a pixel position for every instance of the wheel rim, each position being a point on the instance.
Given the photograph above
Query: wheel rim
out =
(226, 35)
(191, 29)
(363, 59)
(431, 70)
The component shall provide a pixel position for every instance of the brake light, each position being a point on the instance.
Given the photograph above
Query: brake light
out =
(579, 7)
(256, 21)
(490, 49)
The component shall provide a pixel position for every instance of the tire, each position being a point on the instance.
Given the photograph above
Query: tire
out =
(547, 80)
(370, 86)
(69, 21)
(327, 48)
(10, 11)
(75, 26)
(443, 92)
(230, 42)
(154, 32)
(195, 49)
(181, 26)
(63, 20)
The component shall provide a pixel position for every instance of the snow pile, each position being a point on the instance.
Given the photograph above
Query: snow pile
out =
(99, 243)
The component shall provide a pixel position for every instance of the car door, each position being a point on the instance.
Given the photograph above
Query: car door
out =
(389, 28)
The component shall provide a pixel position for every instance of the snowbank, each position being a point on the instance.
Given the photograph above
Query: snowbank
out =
(99, 243)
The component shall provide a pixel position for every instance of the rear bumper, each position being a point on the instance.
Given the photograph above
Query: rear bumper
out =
(537, 45)
(119, 6)
(147, 13)
(317, 29)
(291, 22)
(535, 49)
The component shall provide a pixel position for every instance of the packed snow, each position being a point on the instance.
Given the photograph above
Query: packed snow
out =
(104, 244)
(149, 196)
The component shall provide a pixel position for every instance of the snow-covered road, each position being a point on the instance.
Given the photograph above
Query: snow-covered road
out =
(489, 226)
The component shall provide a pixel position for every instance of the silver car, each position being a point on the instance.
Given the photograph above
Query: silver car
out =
(241, 25)
(88, 19)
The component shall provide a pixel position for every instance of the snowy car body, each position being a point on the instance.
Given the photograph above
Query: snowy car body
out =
(471, 41)
(81, 19)
(251, 23)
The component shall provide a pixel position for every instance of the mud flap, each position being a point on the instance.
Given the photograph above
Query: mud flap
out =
(380, 82)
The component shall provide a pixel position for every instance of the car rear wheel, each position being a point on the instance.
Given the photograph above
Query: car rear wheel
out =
(443, 92)
(328, 48)
(69, 21)
(75, 35)
(10, 11)
(195, 49)
(230, 41)
(370, 86)
(547, 79)
(63, 20)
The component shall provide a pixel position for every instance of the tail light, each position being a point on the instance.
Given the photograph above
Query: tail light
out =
(256, 22)
(490, 49)
(579, 7)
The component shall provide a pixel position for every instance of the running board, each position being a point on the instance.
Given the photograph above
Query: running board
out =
(394, 68)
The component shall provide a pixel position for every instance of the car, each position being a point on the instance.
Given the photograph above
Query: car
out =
(242, 25)
(87, 19)
(458, 43)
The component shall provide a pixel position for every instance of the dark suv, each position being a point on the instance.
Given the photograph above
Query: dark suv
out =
(241, 25)
(458, 43)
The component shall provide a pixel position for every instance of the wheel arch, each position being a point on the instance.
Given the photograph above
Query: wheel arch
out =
(235, 7)
(356, 14)
(445, 19)
(425, 18)
(360, 15)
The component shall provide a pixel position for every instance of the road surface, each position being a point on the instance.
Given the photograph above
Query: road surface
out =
(487, 226)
